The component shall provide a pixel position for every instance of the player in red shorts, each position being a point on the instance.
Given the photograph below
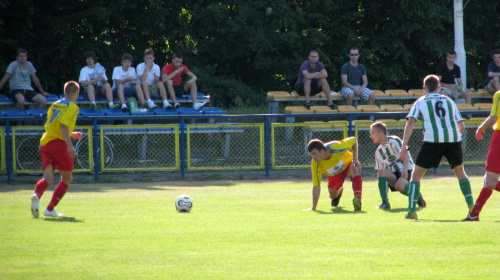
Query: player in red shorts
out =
(490, 181)
(338, 160)
(56, 149)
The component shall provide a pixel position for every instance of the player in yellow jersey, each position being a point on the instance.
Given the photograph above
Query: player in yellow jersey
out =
(56, 149)
(338, 160)
(492, 167)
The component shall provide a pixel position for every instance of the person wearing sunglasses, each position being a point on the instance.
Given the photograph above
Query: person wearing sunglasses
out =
(354, 80)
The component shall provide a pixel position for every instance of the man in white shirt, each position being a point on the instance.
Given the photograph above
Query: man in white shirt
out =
(94, 81)
(126, 83)
(149, 74)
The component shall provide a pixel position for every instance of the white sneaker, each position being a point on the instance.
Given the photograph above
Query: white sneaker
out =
(198, 105)
(52, 213)
(177, 105)
(167, 105)
(35, 205)
(151, 104)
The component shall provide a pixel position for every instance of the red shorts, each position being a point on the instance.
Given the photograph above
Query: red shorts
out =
(56, 153)
(493, 158)
(337, 181)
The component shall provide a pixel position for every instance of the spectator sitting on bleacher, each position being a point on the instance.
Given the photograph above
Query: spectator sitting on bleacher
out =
(172, 77)
(20, 73)
(352, 73)
(125, 82)
(493, 81)
(312, 80)
(149, 74)
(94, 81)
(447, 73)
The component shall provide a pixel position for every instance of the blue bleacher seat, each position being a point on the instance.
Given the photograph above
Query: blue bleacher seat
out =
(162, 111)
(213, 110)
(52, 97)
(37, 112)
(90, 112)
(113, 112)
(13, 113)
(188, 111)
(5, 98)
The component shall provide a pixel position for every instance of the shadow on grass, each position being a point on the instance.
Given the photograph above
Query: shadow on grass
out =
(63, 219)
(340, 210)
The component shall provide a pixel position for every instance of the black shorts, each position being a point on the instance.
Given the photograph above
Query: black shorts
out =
(179, 90)
(98, 92)
(430, 154)
(315, 89)
(398, 175)
(28, 94)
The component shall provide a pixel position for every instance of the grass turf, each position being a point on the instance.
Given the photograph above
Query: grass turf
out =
(246, 230)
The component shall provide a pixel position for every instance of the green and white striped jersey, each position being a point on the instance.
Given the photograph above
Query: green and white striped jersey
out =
(440, 116)
(387, 156)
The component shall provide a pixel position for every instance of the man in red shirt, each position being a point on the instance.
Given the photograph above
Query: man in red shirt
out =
(171, 76)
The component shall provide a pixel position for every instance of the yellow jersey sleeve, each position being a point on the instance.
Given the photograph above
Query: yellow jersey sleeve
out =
(495, 110)
(341, 158)
(61, 112)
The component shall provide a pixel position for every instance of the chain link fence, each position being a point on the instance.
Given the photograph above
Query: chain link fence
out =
(289, 141)
(139, 147)
(213, 146)
(225, 146)
(26, 145)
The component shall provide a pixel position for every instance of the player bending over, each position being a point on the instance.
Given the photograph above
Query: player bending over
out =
(56, 149)
(392, 172)
(338, 160)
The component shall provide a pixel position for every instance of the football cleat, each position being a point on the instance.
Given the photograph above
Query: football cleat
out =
(421, 202)
(384, 206)
(357, 204)
(35, 205)
(52, 213)
(412, 216)
(469, 218)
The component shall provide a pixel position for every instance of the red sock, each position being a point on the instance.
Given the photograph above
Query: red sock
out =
(484, 195)
(57, 195)
(40, 187)
(498, 187)
(357, 186)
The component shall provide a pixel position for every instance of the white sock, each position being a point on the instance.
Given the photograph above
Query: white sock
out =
(149, 100)
(124, 105)
(110, 104)
(165, 102)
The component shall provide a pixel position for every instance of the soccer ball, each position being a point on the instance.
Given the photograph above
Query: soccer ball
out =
(183, 203)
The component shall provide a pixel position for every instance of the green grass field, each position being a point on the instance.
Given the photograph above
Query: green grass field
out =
(245, 230)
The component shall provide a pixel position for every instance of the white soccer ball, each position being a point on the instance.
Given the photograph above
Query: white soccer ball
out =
(184, 203)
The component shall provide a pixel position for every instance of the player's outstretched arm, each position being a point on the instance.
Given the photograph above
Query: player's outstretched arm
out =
(315, 198)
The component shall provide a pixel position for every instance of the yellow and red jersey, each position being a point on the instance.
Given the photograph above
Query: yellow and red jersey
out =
(60, 112)
(338, 162)
(495, 111)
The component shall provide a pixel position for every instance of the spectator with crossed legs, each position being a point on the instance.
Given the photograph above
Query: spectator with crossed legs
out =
(352, 74)
(56, 149)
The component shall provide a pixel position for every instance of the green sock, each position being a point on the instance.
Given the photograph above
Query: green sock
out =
(406, 190)
(383, 185)
(466, 191)
(413, 194)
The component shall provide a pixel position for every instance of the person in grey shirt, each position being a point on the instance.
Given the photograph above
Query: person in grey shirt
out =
(20, 74)
(352, 73)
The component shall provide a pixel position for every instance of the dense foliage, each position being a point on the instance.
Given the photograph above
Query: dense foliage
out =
(241, 49)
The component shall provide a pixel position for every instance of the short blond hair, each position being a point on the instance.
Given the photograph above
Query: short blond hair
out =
(71, 88)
